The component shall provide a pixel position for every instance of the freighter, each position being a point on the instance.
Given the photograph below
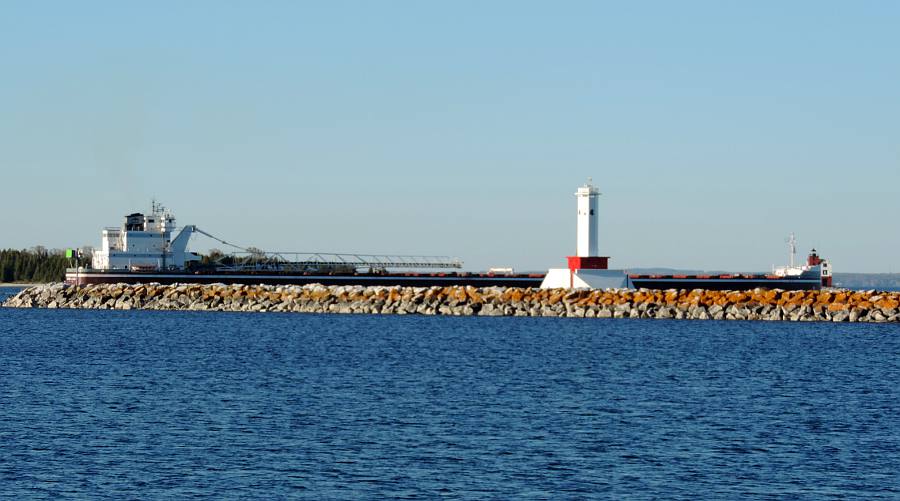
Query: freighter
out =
(143, 250)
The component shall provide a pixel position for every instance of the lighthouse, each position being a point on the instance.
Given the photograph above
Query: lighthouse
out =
(587, 268)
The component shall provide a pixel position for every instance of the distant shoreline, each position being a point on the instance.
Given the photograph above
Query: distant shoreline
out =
(13, 284)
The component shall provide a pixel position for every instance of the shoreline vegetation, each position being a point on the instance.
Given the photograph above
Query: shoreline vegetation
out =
(759, 304)
(32, 266)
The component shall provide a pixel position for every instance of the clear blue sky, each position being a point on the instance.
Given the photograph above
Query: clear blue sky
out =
(713, 129)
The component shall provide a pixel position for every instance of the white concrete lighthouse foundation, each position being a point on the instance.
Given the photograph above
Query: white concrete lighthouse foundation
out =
(585, 279)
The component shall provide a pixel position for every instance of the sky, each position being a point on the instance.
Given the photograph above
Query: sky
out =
(713, 129)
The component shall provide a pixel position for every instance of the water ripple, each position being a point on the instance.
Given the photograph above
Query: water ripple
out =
(185, 404)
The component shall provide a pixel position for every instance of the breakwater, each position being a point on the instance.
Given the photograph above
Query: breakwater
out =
(758, 304)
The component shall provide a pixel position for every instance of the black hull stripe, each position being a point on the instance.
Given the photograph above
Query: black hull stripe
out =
(725, 284)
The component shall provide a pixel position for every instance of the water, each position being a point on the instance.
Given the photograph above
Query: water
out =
(189, 404)
(8, 291)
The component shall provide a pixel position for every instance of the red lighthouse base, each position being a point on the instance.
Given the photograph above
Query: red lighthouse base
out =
(588, 263)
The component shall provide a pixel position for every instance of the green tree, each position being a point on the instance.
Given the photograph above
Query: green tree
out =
(35, 265)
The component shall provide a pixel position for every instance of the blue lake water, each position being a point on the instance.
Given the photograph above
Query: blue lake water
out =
(193, 404)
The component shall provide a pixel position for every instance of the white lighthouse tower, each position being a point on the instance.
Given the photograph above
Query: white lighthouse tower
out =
(587, 220)
(587, 268)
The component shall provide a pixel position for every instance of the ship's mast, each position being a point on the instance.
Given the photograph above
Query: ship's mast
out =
(792, 245)
(158, 212)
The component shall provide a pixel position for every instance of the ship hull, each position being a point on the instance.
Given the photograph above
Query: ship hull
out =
(390, 279)
(429, 279)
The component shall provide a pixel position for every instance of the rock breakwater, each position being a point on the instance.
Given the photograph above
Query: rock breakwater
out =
(758, 304)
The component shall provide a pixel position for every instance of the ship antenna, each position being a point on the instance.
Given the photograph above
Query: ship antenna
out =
(792, 245)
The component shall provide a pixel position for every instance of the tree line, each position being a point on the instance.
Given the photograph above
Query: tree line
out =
(36, 265)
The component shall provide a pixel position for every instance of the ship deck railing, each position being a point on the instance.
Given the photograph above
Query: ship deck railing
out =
(299, 261)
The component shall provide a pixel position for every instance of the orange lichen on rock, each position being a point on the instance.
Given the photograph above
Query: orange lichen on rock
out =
(888, 303)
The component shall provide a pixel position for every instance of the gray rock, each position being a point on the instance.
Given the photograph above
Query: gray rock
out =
(489, 310)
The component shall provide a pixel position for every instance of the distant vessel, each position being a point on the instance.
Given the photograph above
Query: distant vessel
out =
(143, 250)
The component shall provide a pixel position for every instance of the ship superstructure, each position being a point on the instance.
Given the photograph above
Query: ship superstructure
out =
(815, 265)
(144, 242)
